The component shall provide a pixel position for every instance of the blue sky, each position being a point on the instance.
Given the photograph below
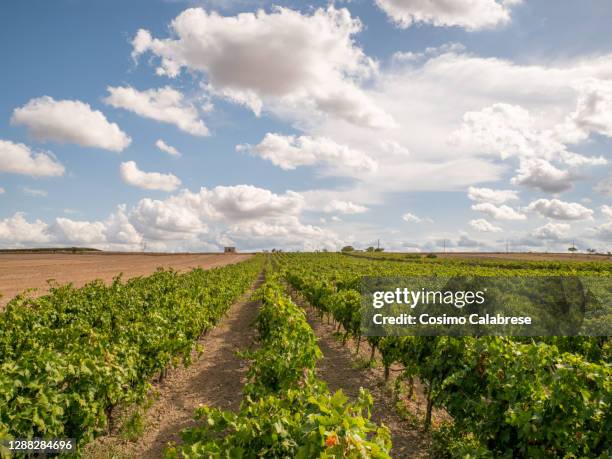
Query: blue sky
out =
(306, 125)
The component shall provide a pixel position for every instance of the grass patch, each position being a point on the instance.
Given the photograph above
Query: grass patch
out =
(363, 363)
(406, 415)
(105, 451)
(338, 335)
(133, 427)
(134, 423)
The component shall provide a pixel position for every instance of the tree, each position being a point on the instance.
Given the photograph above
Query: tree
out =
(572, 249)
(379, 249)
(347, 248)
(370, 249)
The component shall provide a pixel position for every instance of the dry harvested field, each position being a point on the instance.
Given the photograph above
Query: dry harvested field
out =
(20, 271)
(522, 256)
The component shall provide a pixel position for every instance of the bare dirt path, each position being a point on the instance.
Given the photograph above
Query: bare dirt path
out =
(20, 271)
(216, 379)
(340, 369)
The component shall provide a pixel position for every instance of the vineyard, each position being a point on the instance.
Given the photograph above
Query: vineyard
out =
(508, 397)
(287, 410)
(70, 358)
(67, 359)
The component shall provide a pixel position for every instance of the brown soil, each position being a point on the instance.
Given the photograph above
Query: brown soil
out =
(29, 270)
(215, 378)
(343, 368)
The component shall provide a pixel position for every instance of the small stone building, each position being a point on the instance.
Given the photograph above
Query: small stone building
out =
(229, 249)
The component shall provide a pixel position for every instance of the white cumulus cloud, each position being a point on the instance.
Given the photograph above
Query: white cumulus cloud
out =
(287, 232)
(242, 202)
(148, 180)
(290, 152)
(17, 158)
(119, 230)
(510, 130)
(594, 109)
(163, 146)
(502, 212)
(249, 216)
(482, 225)
(166, 219)
(606, 211)
(551, 231)
(78, 232)
(70, 121)
(225, 204)
(17, 229)
(282, 58)
(114, 233)
(166, 105)
(505, 130)
(344, 207)
(493, 196)
(528, 125)
(604, 232)
(542, 175)
(468, 14)
(560, 210)
(411, 218)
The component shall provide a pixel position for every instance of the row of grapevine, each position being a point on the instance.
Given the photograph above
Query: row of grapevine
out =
(432, 261)
(69, 357)
(287, 411)
(508, 397)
